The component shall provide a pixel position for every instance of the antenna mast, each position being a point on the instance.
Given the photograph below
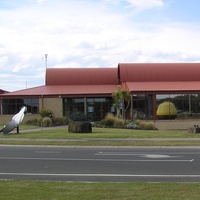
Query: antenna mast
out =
(46, 59)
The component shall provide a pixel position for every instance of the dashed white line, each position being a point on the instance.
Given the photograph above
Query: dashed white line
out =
(48, 152)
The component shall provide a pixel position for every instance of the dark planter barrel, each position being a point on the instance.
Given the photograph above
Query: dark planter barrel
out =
(80, 127)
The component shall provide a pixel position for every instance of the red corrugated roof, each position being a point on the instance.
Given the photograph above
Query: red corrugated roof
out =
(151, 72)
(163, 87)
(3, 91)
(81, 76)
(136, 77)
(65, 90)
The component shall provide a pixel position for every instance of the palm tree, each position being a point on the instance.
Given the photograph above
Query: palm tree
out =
(121, 99)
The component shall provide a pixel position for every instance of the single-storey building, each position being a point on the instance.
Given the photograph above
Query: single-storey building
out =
(89, 90)
(3, 91)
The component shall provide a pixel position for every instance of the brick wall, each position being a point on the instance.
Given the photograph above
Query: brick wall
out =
(176, 124)
(7, 118)
(53, 104)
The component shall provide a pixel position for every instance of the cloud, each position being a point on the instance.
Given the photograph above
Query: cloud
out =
(87, 34)
(145, 4)
(41, 1)
(139, 5)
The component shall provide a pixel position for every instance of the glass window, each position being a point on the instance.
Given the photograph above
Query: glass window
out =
(73, 105)
(186, 105)
(13, 106)
(142, 106)
(96, 108)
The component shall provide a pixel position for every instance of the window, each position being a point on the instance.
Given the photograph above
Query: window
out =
(73, 105)
(95, 108)
(142, 106)
(13, 106)
(187, 105)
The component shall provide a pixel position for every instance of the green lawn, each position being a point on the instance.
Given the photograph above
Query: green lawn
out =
(107, 136)
(19, 190)
(111, 133)
(23, 190)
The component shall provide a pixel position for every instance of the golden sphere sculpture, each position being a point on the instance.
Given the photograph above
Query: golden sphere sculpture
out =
(166, 110)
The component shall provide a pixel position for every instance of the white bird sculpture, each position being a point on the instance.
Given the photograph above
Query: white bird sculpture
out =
(14, 123)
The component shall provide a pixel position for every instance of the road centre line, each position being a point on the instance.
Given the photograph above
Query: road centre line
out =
(107, 175)
(48, 152)
(98, 160)
(158, 156)
(141, 153)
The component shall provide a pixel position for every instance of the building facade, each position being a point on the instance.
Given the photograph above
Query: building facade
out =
(89, 90)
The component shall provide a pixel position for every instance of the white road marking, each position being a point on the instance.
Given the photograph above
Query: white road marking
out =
(98, 160)
(158, 156)
(130, 154)
(48, 152)
(108, 175)
(116, 154)
(154, 156)
(135, 154)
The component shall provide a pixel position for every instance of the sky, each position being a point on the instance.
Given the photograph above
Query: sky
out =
(92, 33)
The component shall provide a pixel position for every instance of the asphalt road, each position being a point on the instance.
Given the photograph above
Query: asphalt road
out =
(109, 164)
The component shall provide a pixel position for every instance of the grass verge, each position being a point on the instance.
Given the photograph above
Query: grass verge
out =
(19, 190)
(170, 143)
(112, 133)
(23, 190)
(102, 137)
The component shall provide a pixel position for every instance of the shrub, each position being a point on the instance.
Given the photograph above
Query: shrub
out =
(78, 117)
(132, 125)
(147, 125)
(47, 121)
(102, 122)
(141, 125)
(109, 116)
(61, 121)
(138, 122)
(34, 122)
(119, 123)
(46, 113)
(109, 122)
(112, 121)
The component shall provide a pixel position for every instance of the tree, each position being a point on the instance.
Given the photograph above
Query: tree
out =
(121, 99)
